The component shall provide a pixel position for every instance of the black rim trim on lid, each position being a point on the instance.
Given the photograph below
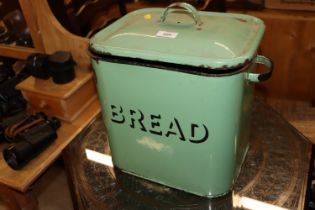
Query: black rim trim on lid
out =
(202, 71)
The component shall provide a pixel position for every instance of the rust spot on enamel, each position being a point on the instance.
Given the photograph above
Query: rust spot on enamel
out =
(241, 20)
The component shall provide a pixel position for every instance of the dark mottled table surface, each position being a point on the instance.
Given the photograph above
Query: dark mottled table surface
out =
(274, 174)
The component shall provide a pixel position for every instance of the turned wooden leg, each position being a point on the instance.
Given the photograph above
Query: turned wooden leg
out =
(15, 200)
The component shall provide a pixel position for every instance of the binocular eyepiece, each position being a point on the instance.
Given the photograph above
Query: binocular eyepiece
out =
(59, 66)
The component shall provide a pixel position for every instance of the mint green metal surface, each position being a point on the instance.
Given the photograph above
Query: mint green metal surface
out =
(221, 104)
(169, 35)
(182, 130)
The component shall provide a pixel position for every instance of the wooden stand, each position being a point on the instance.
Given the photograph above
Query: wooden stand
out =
(19, 182)
(53, 36)
(16, 200)
(48, 35)
(65, 101)
(75, 103)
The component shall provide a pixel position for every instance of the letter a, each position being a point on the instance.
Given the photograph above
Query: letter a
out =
(174, 132)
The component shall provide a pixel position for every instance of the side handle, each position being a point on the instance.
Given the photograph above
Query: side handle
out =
(259, 77)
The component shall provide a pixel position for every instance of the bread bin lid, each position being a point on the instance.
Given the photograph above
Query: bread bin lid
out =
(182, 35)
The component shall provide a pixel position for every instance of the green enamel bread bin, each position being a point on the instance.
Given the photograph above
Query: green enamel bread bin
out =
(175, 85)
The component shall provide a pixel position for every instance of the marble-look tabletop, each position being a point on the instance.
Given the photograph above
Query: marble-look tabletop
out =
(273, 176)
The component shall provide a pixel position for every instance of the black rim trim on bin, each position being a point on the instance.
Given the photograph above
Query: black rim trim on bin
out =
(203, 71)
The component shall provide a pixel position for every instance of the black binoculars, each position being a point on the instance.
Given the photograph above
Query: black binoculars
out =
(59, 66)
(11, 99)
(29, 135)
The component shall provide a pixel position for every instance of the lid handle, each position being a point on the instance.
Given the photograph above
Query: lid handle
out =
(192, 10)
(258, 77)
